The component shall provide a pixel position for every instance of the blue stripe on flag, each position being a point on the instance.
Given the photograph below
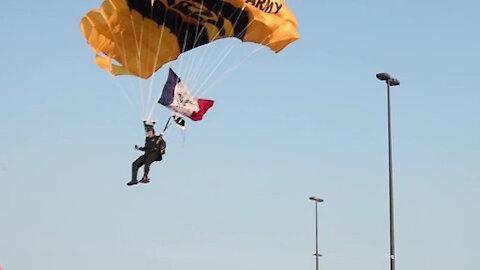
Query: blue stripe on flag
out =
(169, 88)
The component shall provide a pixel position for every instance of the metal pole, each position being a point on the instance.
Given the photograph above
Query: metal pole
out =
(390, 182)
(316, 235)
(316, 200)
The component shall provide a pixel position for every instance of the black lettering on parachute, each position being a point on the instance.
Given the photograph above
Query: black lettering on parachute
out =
(266, 6)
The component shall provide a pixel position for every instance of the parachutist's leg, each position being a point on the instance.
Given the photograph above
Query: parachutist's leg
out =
(149, 159)
(137, 164)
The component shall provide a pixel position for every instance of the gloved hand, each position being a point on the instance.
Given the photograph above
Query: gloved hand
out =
(136, 147)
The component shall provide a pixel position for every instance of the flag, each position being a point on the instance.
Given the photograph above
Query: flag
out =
(179, 121)
(178, 98)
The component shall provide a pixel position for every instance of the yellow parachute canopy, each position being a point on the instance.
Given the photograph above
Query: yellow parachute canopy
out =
(138, 37)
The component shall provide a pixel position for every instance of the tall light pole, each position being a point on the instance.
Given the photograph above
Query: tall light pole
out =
(316, 200)
(390, 82)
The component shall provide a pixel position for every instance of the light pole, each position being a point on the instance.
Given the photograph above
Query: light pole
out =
(390, 82)
(316, 200)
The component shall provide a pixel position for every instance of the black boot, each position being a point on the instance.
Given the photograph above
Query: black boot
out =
(133, 182)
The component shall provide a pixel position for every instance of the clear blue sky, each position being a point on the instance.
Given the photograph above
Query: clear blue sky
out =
(308, 121)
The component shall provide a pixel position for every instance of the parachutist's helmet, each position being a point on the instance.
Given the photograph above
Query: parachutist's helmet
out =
(148, 125)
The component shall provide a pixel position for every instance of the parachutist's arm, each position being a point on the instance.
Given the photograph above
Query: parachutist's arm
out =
(139, 148)
(162, 144)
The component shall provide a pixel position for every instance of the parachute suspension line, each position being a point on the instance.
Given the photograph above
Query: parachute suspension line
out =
(213, 70)
(153, 102)
(214, 65)
(230, 69)
(138, 42)
(208, 45)
(124, 91)
(197, 35)
(152, 105)
(141, 82)
(126, 64)
(260, 46)
(129, 99)
(142, 99)
(147, 82)
(222, 56)
(195, 63)
(159, 46)
(183, 50)
(116, 41)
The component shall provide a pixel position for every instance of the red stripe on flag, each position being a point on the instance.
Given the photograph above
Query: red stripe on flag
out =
(204, 105)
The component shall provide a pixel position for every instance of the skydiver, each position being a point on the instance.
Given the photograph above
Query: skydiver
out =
(154, 149)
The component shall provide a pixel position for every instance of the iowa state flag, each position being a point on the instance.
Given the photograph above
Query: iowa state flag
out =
(176, 97)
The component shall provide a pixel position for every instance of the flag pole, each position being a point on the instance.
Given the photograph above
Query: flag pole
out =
(166, 125)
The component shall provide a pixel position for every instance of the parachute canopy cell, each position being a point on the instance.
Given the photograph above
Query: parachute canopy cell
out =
(137, 37)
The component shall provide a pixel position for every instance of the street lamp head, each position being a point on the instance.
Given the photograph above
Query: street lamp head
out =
(316, 199)
(383, 76)
(393, 82)
(388, 79)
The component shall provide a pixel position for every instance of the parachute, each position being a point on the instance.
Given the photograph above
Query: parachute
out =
(137, 37)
